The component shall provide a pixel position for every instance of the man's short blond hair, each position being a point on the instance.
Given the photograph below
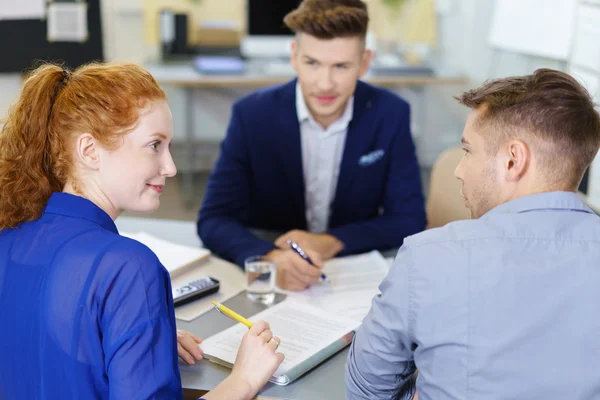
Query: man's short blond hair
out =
(551, 108)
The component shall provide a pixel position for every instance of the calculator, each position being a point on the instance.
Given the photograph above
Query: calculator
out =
(194, 290)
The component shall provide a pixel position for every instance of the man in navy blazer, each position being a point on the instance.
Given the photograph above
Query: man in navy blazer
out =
(325, 160)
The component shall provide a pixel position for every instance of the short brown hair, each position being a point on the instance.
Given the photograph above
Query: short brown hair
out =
(328, 19)
(55, 104)
(553, 107)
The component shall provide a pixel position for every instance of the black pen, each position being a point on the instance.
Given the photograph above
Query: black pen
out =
(302, 254)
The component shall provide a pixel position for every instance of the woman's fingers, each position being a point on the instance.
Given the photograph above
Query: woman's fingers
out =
(274, 343)
(185, 355)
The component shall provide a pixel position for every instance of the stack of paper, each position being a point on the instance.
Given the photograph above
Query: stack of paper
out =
(354, 282)
(174, 257)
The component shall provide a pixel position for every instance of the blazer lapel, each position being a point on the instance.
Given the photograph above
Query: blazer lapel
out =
(358, 140)
(290, 146)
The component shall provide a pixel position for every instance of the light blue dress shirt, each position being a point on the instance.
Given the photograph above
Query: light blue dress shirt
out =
(84, 313)
(502, 307)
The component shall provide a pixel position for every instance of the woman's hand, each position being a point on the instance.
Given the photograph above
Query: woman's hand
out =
(257, 359)
(187, 346)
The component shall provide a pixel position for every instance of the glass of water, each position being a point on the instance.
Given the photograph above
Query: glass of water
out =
(260, 279)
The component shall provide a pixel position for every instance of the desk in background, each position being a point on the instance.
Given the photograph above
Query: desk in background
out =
(185, 76)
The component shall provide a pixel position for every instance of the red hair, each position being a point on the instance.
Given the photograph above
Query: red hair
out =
(36, 141)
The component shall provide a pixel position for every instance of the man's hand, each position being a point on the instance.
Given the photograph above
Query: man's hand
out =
(323, 243)
(293, 272)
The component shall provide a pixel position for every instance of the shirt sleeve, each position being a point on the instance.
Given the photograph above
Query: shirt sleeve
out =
(138, 326)
(380, 360)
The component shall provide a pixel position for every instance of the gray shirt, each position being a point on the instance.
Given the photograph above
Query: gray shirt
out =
(502, 307)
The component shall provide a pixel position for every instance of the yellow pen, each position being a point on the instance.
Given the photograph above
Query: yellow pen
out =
(231, 314)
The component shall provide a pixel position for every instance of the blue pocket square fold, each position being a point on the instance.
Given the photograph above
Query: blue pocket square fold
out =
(371, 158)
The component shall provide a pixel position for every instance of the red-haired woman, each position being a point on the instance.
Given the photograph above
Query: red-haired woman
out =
(84, 312)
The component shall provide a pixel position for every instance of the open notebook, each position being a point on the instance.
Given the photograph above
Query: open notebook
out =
(174, 257)
(314, 324)
(308, 337)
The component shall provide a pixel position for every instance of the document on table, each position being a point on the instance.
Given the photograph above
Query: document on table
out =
(354, 280)
(308, 336)
(175, 257)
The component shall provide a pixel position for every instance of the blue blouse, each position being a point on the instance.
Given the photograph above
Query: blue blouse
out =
(84, 313)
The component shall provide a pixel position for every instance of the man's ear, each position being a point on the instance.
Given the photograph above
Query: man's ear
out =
(87, 150)
(365, 63)
(517, 160)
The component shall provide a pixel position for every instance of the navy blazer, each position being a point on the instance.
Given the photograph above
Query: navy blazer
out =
(258, 179)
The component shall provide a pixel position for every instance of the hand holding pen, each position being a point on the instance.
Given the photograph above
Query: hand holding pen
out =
(257, 358)
(296, 248)
(293, 271)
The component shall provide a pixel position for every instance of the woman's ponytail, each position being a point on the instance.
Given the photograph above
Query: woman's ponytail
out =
(26, 177)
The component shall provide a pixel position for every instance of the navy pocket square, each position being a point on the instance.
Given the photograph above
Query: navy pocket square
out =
(371, 158)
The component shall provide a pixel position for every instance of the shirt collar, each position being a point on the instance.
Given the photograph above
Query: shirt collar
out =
(304, 114)
(569, 201)
(78, 207)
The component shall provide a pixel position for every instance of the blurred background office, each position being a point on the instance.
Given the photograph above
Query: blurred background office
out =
(208, 53)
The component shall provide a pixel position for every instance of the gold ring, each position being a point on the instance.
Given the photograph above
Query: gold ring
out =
(274, 340)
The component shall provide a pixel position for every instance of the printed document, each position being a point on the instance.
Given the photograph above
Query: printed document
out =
(354, 281)
(304, 331)
(172, 255)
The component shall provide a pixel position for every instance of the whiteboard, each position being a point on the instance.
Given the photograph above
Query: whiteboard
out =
(586, 43)
(535, 27)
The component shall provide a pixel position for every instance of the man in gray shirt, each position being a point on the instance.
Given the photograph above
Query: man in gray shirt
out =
(503, 306)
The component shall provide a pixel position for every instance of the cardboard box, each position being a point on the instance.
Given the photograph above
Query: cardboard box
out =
(218, 37)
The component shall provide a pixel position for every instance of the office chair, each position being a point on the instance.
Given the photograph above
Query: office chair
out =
(444, 203)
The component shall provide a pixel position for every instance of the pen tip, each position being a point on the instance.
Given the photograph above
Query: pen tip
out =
(214, 303)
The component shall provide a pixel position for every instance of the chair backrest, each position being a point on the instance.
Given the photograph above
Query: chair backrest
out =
(444, 203)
